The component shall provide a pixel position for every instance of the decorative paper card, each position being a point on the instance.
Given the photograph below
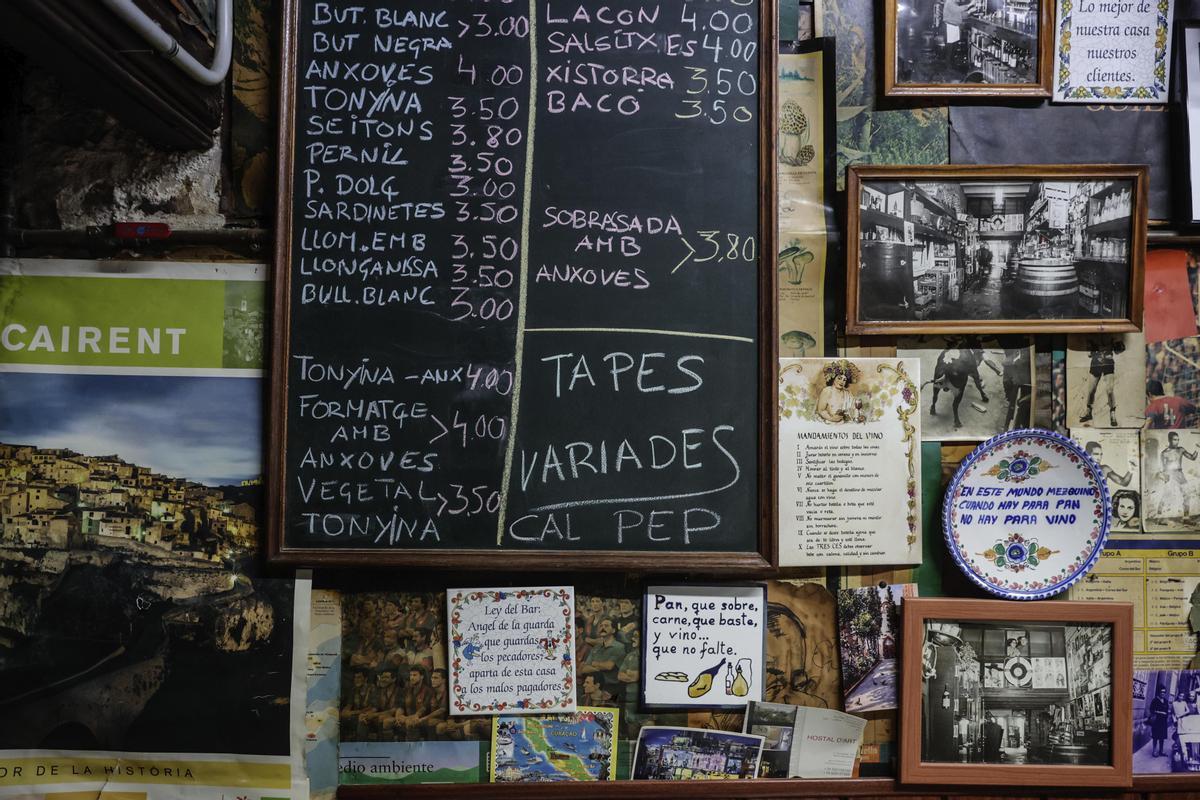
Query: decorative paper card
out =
(555, 747)
(805, 742)
(1026, 514)
(511, 650)
(1113, 51)
(849, 461)
(704, 646)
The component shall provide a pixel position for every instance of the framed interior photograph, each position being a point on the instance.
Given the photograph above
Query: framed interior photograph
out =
(1029, 695)
(968, 48)
(995, 249)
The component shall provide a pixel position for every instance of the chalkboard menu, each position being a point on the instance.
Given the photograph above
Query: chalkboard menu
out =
(520, 284)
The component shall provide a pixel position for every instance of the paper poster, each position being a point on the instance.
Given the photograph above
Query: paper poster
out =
(690, 754)
(399, 763)
(131, 461)
(802, 183)
(973, 387)
(1112, 51)
(800, 156)
(1170, 481)
(704, 646)
(1158, 580)
(581, 746)
(511, 650)
(1118, 453)
(801, 290)
(849, 461)
(324, 674)
(805, 742)
(869, 645)
(1170, 311)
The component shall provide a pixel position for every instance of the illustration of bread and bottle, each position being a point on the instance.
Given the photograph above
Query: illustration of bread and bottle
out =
(739, 677)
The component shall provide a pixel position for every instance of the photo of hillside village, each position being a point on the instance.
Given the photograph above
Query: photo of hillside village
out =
(126, 605)
(62, 500)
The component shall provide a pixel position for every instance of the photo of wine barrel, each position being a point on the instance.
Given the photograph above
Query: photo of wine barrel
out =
(977, 249)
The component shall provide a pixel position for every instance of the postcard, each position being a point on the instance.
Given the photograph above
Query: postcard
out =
(684, 754)
(581, 746)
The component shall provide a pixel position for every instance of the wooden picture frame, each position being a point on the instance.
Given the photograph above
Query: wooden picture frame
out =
(759, 560)
(915, 263)
(1062, 735)
(994, 50)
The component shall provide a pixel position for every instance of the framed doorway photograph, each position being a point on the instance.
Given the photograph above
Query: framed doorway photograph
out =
(1035, 695)
(995, 249)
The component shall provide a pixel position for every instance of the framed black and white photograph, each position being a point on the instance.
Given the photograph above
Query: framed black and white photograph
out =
(968, 48)
(973, 387)
(995, 249)
(998, 697)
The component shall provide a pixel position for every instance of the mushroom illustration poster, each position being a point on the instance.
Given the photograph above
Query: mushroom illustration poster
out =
(511, 650)
(849, 461)
(804, 182)
(1112, 52)
(704, 646)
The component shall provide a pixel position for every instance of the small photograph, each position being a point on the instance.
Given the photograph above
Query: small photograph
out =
(971, 249)
(979, 386)
(1166, 721)
(984, 47)
(394, 680)
(869, 637)
(1173, 384)
(776, 723)
(1118, 452)
(683, 754)
(581, 746)
(1170, 480)
(1016, 693)
(1106, 380)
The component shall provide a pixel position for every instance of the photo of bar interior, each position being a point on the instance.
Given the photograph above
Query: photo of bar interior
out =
(1011, 249)
(977, 42)
(1012, 693)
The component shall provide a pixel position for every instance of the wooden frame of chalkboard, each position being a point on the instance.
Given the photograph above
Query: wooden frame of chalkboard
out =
(759, 559)
(901, 220)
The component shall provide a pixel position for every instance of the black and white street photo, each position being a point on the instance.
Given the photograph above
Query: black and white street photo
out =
(1016, 693)
(988, 250)
(973, 387)
(954, 42)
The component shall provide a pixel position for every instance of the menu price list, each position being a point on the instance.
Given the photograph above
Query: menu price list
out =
(472, 176)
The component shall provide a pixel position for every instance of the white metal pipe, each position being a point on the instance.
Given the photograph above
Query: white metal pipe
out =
(166, 45)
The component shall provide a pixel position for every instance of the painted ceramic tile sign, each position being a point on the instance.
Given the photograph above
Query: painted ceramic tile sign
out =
(511, 650)
(1113, 51)
(704, 646)
(1026, 514)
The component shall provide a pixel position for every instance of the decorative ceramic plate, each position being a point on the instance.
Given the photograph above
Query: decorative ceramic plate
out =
(1026, 514)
